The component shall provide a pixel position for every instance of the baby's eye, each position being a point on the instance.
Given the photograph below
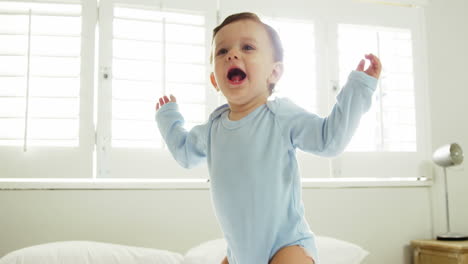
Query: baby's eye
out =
(221, 52)
(248, 47)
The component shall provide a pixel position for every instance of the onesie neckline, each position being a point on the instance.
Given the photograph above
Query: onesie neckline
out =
(229, 124)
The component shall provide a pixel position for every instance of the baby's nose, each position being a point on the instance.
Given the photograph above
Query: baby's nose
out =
(232, 55)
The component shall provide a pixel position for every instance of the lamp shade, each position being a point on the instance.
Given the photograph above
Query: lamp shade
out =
(448, 155)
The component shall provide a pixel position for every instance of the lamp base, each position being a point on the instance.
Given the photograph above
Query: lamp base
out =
(450, 236)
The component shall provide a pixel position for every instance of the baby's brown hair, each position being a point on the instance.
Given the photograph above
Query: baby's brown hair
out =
(274, 37)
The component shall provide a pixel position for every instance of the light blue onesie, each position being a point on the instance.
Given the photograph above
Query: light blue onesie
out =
(255, 183)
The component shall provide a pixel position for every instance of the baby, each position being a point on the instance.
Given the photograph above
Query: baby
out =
(250, 143)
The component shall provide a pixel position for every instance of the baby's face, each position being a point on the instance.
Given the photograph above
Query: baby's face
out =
(243, 62)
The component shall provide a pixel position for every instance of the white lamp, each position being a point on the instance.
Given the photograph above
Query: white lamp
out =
(446, 156)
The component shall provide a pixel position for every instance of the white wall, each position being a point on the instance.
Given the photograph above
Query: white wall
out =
(447, 32)
(382, 220)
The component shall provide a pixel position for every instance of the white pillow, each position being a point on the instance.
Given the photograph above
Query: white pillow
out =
(334, 251)
(330, 250)
(209, 252)
(79, 252)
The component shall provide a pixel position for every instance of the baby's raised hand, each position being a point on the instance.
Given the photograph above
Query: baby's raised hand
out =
(374, 68)
(164, 100)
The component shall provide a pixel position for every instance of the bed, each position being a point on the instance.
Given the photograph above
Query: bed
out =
(331, 250)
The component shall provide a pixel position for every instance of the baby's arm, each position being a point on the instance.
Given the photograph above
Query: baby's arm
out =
(329, 136)
(187, 147)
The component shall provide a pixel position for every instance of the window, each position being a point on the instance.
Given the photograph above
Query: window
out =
(49, 94)
(147, 50)
(390, 124)
(46, 70)
(391, 140)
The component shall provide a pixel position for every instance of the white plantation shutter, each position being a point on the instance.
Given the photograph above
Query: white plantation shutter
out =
(40, 74)
(45, 108)
(299, 80)
(166, 56)
(390, 124)
(391, 139)
(149, 50)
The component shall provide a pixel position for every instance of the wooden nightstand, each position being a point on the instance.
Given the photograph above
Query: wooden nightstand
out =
(440, 252)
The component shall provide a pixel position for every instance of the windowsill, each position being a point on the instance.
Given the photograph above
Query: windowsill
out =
(196, 184)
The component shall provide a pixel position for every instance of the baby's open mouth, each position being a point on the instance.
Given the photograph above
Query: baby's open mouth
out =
(236, 75)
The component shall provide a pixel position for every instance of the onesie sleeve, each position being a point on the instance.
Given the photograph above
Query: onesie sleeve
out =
(187, 147)
(330, 135)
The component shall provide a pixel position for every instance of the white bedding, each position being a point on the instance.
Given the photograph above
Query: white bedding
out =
(88, 252)
(331, 251)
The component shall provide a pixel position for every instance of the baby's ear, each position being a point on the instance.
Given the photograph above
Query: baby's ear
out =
(276, 72)
(213, 81)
